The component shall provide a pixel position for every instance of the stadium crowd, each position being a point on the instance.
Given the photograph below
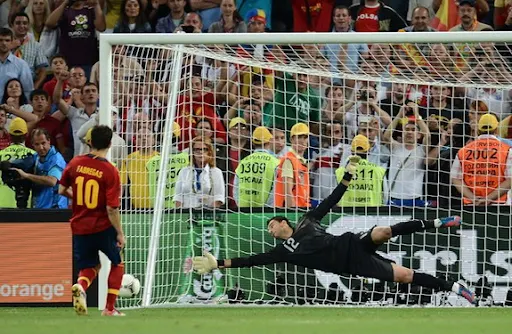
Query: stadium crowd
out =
(246, 136)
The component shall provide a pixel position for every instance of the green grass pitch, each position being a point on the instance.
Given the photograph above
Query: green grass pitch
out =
(286, 320)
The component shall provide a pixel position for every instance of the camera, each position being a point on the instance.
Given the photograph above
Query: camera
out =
(13, 180)
(363, 95)
(188, 29)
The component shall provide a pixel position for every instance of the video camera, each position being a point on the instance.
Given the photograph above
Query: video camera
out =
(14, 181)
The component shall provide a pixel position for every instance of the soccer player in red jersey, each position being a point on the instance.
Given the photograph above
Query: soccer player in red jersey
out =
(93, 184)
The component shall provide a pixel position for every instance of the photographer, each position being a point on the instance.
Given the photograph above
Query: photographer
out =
(48, 166)
(14, 193)
(365, 105)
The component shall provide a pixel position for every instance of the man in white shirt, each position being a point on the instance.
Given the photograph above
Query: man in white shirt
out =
(408, 159)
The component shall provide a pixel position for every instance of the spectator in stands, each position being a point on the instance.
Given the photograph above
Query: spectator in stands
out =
(58, 64)
(245, 6)
(365, 105)
(215, 73)
(408, 159)
(249, 110)
(255, 174)
(476, 110)
(78, 22)
(78, 116)
(397, 98)
(375, 16)
(502, 15)
(378, 153)
(441, 106)
(439, 64)
(343, 57)
(482, 169)
(369, 188)
(377, 62)
(204, 129)
(201, 184)
(481, 6)
(28, 49)
(278, 142)
(49, 165)
(439, 185)
(420, 21)
(256, 21)
(192, 24)
(230, 20)
(118, 151)
(132, 18)
(312, 15)
(295, 101)
(16, 150)
(323, 168)
(37, 11)
(198, 103)
(133, 171)
(489, 69)
(15, 98)
(292, 180)
(335, 98)
(209, 11)
(70, 93)
(11, 66)
(413, 4)
(468, 20)
(230, 154)
(40, 102)
(5, 139)
(176, 17)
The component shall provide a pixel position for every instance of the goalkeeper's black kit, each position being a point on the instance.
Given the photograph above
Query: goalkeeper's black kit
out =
(312, 247)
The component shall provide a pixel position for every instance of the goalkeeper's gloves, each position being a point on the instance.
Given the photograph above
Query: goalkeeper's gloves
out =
(204, 264)
(353, 163)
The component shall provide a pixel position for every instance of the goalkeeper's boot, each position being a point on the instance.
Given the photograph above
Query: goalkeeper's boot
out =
(466, 293)
(79, 299)
(112, 313)
(452, 221)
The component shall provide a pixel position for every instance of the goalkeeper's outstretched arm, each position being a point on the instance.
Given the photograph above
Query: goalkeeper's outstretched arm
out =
(327, 204)
(206, 263)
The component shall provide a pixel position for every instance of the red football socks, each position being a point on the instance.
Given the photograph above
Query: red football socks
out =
(114, 284)
(86, 277)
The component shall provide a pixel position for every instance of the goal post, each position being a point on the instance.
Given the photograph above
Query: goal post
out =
(151, 80)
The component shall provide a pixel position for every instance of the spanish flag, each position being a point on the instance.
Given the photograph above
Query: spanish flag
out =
(446, 17)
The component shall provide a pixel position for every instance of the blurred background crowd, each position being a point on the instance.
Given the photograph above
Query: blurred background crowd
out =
(248, 136)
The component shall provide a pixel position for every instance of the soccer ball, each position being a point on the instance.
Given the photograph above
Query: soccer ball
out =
(130, 286)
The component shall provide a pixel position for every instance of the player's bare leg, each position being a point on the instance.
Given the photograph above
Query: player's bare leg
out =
(381, 234)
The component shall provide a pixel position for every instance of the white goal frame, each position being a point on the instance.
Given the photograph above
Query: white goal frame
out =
(108, 40)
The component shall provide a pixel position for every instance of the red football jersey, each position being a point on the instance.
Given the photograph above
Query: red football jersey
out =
(96, 185)
(367, 19)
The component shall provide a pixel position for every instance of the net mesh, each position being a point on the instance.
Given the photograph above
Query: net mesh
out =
(339, 91)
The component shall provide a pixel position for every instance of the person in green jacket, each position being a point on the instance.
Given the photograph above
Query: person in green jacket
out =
(17, 150)
(368, 187)
(177, 160)
(255, 174)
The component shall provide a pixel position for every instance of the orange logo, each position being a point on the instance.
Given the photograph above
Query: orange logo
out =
(36, 263)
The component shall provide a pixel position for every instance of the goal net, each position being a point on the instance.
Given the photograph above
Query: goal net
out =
(224, 132)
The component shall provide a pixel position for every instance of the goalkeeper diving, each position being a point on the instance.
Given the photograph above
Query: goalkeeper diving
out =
(309, 245)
